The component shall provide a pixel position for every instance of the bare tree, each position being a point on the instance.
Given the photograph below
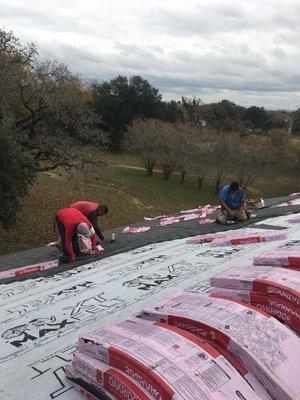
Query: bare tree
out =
(223, 146)
(143, 139)
(168, 148)
(257, 157)
(187, 136)
(202, 159)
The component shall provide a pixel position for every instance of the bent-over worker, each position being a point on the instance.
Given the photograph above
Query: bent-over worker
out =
(70, 222)
(232, 201)
(91, 211)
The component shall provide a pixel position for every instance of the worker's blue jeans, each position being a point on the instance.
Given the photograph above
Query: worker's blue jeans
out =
(65, 256)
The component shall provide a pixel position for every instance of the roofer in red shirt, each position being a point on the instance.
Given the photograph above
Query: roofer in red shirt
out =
(70, 222)
(91, 211)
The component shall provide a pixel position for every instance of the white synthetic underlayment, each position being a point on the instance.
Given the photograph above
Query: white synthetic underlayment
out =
(42, 318)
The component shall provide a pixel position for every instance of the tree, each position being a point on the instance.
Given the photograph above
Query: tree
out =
(17, 171)
(256, 117)
(171, 111)
(202, 158)
(169, 147)
(120, 100)
(296, 122)
(45, 102)
(143, 139)
(192, 110)
(251, 160)
(223, 145)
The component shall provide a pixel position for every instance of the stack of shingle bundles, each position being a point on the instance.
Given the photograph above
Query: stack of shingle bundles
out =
(248, 238)
(274, 290)
(139, 359)
(287, 257)
(284, 311)
(266, 347)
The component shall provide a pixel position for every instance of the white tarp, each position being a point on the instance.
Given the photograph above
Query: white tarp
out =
(42, 318)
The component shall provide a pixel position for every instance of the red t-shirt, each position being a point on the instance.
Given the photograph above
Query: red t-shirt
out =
(70, 218)
(85, 207)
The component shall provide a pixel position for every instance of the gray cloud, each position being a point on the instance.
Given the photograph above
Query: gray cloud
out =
(245, 51)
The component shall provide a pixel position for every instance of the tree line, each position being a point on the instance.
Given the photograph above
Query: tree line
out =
(186, 148)
(50, 118)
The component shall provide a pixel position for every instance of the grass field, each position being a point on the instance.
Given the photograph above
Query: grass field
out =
(128, 192)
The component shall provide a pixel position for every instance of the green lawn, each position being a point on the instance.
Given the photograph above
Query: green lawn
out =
(166, 195)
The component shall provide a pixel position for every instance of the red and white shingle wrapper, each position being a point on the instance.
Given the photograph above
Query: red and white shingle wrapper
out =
(168, 221)
(43, 266)
(249, 238)
(210, 237)
(284, 311)
(188, 217)
(278, 282)
(237, 237)
(288, 257)
(168, 364)
(153, 218)
(136, 229)
(111, 381)
(206, 221)
(268, 348)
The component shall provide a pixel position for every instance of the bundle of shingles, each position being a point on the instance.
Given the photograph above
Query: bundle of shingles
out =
(267, 348)
(238, 237)
(142, 359)
(266, 285)
(286, 257)
(274, 290)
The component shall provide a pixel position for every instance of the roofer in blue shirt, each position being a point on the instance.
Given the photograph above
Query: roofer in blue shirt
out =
(232, 201)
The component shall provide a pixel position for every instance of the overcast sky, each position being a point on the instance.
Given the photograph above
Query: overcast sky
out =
(244, 51)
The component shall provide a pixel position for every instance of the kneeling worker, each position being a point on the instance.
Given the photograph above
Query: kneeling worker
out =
(70, 222)
(91, 211)
(232, 200)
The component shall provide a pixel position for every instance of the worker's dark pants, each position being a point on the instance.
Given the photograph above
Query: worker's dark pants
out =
(61, 229)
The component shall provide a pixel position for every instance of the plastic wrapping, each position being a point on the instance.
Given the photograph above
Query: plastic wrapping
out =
(168, 221)
(109, 380)
(286, 256)
(136, 229)
(284, 311)
(264, 345)
(277, 282)
(166, 362)
(28, 269)
(248, 238)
